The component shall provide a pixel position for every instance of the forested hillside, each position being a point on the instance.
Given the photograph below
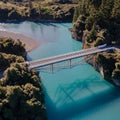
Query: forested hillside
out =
(37, 10)
(97, 22)
(21, 95)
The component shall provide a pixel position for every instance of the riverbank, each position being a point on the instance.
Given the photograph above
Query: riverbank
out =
(29, 42)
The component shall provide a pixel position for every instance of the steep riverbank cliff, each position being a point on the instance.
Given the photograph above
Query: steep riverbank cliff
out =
(97, 22)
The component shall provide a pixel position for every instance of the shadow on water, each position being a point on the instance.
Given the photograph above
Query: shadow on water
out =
(87, 104)
(51, 108)
(65, 25)
(47, 24)
(12, 22)
(82, 105)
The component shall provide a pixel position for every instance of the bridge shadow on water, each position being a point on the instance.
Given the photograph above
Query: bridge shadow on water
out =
(82, 105)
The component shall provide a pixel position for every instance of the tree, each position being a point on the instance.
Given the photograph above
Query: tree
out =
(7, 59)
(21, 75)
(116, 74)
(106, 8)
(21, 103)
(21, 95)
(116, 10)
(10, 46)
(99, 41)
(76, 14)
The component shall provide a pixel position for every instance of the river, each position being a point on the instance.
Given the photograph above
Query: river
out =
(78, 93)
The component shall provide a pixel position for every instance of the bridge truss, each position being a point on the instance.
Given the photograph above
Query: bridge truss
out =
(68, 60)
(68, 64)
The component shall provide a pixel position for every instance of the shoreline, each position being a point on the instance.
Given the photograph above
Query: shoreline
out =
(29, 42)
(37, 21)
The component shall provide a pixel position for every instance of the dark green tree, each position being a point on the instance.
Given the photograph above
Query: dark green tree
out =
(10, 46)
(7, 59)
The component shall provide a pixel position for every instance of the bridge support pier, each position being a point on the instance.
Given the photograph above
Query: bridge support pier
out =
(51, 68)
(70, 63)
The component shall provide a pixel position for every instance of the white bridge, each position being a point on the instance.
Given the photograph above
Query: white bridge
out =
(69, 57)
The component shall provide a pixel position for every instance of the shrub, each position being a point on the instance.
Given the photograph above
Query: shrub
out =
(19, 74)
(21, 103)
(99, 41)
(10, 46)
(7, 59)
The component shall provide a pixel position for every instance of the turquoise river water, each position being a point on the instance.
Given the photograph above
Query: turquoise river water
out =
(79, 93)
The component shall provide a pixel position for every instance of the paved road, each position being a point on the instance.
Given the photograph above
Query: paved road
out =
(68, 56)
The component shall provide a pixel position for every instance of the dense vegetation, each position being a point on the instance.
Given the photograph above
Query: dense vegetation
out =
(110, 62)
(7, 59)
(101, 18)
(10, 46)
(21, 96)
(37, 10)
(97, 22)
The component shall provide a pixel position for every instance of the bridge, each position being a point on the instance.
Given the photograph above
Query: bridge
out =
(67, 57)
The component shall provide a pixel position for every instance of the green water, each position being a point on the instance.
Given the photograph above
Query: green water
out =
(79, 93)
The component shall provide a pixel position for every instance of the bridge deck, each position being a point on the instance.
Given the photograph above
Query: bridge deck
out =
(69, 56)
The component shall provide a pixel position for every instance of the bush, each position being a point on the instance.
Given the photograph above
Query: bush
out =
(99, 41)
(91, 36)
(14, 15)
(19, 74)
(7, 59)
(89, 23)
(107, 61)
(10, 46)
(21, 103)
(116, 74)
(21, 96)
(102, 13)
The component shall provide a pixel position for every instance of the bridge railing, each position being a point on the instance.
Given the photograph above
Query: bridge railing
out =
(66, 54)
(65, 57)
